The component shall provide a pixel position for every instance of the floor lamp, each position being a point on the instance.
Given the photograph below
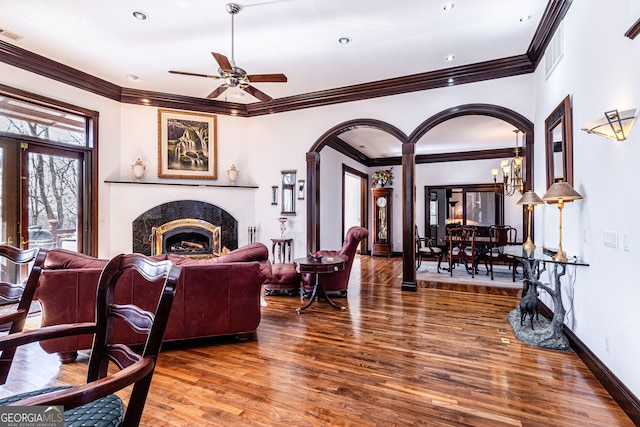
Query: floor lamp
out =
(529, 198)
(561, 192)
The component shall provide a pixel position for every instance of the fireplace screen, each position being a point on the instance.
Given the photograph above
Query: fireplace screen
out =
(186, 237)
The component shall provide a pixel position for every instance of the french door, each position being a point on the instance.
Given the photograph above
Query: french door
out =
(41, 195)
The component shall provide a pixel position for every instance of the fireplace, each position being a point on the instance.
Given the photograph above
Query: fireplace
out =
(188, 236)
(186, 227)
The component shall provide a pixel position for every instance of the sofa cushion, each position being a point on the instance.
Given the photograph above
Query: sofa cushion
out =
(64, 259)
(252, 252)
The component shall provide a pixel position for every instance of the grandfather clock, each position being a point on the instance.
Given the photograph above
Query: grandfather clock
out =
(382, 208)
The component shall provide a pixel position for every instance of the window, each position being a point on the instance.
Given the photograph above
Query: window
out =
(47, 163)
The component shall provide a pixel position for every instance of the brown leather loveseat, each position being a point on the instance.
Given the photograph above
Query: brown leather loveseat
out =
(215, 297)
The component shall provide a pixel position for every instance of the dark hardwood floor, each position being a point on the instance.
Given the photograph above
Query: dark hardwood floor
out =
(442, 356)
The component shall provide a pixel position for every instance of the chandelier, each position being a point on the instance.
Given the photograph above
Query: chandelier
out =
(511, 171)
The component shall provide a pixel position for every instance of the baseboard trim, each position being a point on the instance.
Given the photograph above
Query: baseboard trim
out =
(627, 401)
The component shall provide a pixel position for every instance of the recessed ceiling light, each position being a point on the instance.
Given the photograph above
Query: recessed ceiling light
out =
(450, 58)
(448, 6)
(139, 15)
(344, 40)
(132, 77)
(525, 18)
(451, 81)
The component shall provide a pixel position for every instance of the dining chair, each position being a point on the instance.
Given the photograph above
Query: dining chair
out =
(13, 291)
(502, 235)
(462, 247)
(95, 403)
(426, 248)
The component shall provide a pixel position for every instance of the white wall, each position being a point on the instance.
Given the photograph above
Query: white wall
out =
(599, 70)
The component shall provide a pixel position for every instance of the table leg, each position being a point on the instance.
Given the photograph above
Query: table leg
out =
(330, 301)
(314, 295)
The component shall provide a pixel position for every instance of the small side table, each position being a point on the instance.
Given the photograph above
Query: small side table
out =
(534, 264)
(317, 267)
(284, 250)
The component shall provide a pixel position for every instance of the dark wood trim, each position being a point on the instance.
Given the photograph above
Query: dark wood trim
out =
(487, 70)
(342, 147)
(560, 116)
(499, 153)
(327, 137)
(32, 98)
(409, 282)
(499, 201)
(616, 388)
(92, 218)
(634, 30)
(364, 203)
(313, 202)
(38, 64)
(554, 13)
(179, 102)
(88, 201)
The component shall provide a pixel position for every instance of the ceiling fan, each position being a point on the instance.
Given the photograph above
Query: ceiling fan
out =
(234, 76)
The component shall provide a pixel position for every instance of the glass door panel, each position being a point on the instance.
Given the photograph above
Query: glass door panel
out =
(52, 198)
(481, 208)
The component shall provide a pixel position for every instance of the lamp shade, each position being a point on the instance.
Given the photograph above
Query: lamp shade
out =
(561, 191)
(530, 198)
(614, 125)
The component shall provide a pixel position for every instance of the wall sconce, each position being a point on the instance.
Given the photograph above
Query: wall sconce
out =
(615, 125)
(561, 192)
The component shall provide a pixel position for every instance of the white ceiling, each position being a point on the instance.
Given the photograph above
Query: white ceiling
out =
(296, 37)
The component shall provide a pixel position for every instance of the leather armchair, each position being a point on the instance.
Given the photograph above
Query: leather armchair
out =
(337, 283)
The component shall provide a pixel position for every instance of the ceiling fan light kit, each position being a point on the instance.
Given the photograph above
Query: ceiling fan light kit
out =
(234, 76)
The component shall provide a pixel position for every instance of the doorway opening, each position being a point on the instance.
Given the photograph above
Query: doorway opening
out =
(354, 202)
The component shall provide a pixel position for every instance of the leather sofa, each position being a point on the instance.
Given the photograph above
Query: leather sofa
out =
(337, 283)
(215, 297)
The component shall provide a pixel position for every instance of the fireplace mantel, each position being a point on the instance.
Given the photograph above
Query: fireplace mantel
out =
(186, 184)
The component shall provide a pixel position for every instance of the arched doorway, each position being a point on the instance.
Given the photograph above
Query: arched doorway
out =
(408, 171)
(313, 170)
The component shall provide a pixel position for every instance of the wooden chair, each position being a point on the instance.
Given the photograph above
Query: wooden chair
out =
(426, 248)
(462, 247)
(502, 235)
(11, 292)
(94, 402)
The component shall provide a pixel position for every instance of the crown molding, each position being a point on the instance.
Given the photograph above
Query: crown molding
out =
(553, 15)
(634, 30)
(488, 70)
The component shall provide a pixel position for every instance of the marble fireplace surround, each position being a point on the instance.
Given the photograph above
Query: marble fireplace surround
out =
(159, 215)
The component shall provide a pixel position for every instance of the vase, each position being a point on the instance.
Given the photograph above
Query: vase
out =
(138, 169)
(233, 174)
(283, 226)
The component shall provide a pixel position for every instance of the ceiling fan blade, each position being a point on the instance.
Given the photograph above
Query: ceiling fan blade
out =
(194, 74)
(223, 61)
(257, 93)
(267, 78)
(216, 93)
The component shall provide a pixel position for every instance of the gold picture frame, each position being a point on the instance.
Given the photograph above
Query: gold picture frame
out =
(187, 145)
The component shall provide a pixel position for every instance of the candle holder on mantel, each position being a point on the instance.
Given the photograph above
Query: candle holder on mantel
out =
(252, 233)
(283, 226)
(138, 169)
